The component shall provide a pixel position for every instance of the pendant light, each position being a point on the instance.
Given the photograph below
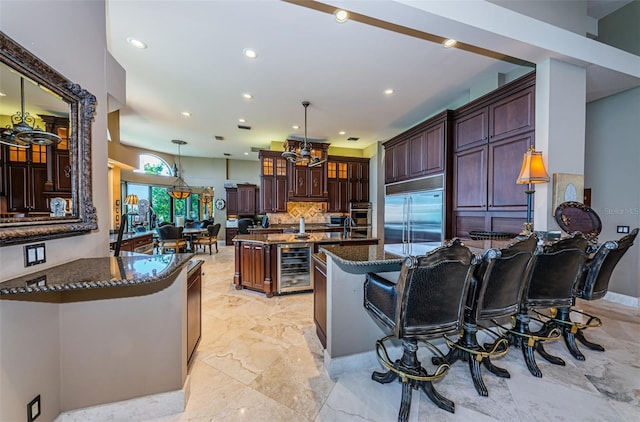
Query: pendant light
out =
(179, 190)
(24, 134)
(304, 156)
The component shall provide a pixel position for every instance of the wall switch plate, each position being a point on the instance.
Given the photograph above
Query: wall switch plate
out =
(33, 409)
(34, 254)
(622, 229)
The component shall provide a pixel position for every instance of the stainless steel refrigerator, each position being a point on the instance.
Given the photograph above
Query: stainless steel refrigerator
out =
(413, 222)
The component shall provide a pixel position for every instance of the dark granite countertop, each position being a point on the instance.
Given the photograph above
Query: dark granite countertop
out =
(93, 273)
(308, 226)
(126, 236)
(359, 259)
(321, 237)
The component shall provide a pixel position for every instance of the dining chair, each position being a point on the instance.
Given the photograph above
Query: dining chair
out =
(170, 237)
(210, 238)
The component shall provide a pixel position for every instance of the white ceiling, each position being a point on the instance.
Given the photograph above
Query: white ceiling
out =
(194, 63)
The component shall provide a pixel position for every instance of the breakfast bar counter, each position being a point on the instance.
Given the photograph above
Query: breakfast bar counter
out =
(103, 330)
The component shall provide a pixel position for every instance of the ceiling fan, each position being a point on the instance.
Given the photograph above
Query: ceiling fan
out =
(304, 155)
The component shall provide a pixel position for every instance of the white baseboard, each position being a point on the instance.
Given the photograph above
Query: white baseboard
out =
(140, 408)
(622, 299)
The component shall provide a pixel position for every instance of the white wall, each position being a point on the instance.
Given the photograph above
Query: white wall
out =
(612, 171)
(71, 37)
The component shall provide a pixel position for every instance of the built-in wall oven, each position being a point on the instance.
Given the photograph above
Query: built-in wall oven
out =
(360, 213)
(294, 267)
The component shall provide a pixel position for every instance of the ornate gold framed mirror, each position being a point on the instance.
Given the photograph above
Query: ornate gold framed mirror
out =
(46, 173)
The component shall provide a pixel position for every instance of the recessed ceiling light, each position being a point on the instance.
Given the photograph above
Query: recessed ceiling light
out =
(448, 43)
(2, 94)
(186, 114)
(250, 53)
(241, 120)
(295, 127)
(389, 91)
(247, 96)
(136, 43)
(342, 132)
(342, 15)
(246, 153)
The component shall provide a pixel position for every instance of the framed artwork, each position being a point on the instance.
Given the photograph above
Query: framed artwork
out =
(567, 187)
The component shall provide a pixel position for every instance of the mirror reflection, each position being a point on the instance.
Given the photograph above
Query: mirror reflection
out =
(36, 170)
(45, 154)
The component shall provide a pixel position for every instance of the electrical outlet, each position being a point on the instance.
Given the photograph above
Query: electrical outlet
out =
(33, 409)
(34, 254)
(622, 229)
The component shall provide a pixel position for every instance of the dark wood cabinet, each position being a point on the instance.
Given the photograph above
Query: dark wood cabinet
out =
(59, 169)
(255, 267)
(396, 161)
(246, 199)
(319, 275)
(471, 129)
(252, 265)
(512, 115)
(337, 185)
(232, 201)
(491, 136)
(229, 234)
(273, 182)
(137, 243)
(358, 173)
(194, 310)
(470, 188)
(25, 175)
(307, 183)
(420, 151)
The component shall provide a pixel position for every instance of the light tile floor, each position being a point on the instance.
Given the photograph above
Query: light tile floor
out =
(259, 359)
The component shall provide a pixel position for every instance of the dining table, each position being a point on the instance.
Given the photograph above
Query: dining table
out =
(190, 233)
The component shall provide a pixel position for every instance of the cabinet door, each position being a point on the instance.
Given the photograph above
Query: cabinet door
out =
(401, 161)
(333, 204)
(247, 266)
(389, 152)
(470, 170)
(37, 180)
(257, 264)
(232, 201)
(471, 129)
(512, 115)
(505, 159)
(434, 140)
(316, 182)
(17, 183)
(417, 155)
(246, 200)
(320, 301)
(267, 190)
(300, 175)
(280, 194)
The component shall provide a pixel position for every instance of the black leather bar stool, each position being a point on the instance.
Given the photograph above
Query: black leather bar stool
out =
(495, 293)
(593, 285)
(425, 303)
(554, 276)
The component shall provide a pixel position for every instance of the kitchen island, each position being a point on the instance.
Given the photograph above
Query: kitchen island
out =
(258, 267)
(97, 331)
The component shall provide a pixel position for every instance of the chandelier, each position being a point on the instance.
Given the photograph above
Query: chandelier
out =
(24, 133)
(179, 190)
(303, 156)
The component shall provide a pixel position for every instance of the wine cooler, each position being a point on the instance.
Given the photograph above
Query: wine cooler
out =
(294, 267)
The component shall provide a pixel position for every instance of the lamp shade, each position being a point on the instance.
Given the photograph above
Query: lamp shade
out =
(532, 170)
(131, 199)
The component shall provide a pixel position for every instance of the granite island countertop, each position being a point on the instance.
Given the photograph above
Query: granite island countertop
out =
(126, 236)
(320, 237)
(360, 259)
(94, 273)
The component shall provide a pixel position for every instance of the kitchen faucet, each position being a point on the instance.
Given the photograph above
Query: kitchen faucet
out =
(348, 223)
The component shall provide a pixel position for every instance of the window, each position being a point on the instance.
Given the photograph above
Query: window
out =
(152, 164)
(165, 208)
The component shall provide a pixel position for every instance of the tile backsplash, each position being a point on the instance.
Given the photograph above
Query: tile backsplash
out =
(313, 212)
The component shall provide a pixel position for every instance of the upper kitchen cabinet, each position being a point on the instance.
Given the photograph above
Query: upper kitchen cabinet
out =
(358, 173)
(273, 181)
(337, 185)
(247, 199)
(308, 183)
(506, 112)
(25, 175)
(232, 201)
(419, 151)
(396, 160)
